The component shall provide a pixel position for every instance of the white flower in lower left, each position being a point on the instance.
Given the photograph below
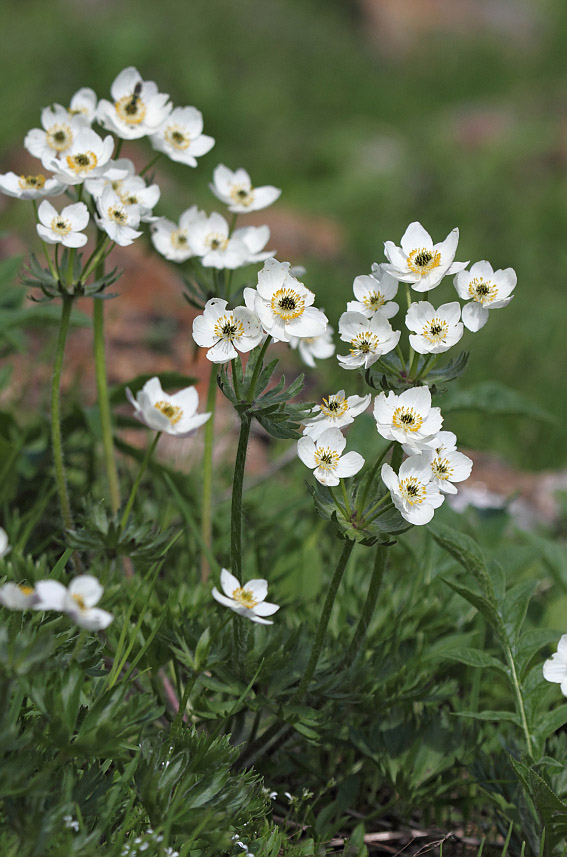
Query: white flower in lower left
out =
(77, 601)
(247, 600)
(323, 456)
(65, 227)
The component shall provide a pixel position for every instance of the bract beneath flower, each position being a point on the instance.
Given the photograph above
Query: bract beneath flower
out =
(248, 600)
(175, 413)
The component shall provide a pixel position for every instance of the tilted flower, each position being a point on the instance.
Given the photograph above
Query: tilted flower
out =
(413, 492)
(369, 339)
(18, 597)
(83, 105)
(408, 418)
(235, 190)
(121, 177)
(209, 239)
(324, 456)
(4, 543)
(225, 332)
(65, 227)
(181, 136)
(448, 465)
(248, 600)
(174, 413)
(57, 135)
(137, 107)
(30, 187)
(254, 239)
(374, 293)
(118, 220)
(487, 290)
(421, 262)
(555, 668)
(172, 239)
(313, 348)
(77, 601)
(284, 305)
(434, 330)
(86, 157)
(335, 411)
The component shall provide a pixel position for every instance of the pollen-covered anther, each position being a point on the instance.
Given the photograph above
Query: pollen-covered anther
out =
(79, 600)
(34, 182)
(413, 491)
(82, 161)
(287, 304)
(179, 239)
(172, 412)
(26, 590)
(407, 419)
(435, 330)
(334, 406)
(229, 328)
(61, 225)
(374, 300)
(481, 291)
(422, 261)
(364, 343)
(117, 214)
(441, 468)
(177, 137)
(131, 109)
(242, 195)
(245, 597)
(326, 458)
(216, 242)
(59, 137)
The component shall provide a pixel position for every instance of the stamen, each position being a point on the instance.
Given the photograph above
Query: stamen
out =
(481, 291)
(34, 182)
(82, 161)
(407, 419)
(334, 407)
(242, 195)
(59, 137)
(177, 137)
(245, 597)
(412, 491)
(172, 412)
(287, 304)
(422, 261)
(227, 327)
(131, 109)
(326, 458)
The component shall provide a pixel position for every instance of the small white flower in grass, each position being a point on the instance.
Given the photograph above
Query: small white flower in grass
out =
(284, 305)
(247, 600)
(225, 332)
(58, 132)
(181, 136)
(65, 227)
(137, 107)
(448, 465)
(18, 597)
(374, 293)
(555, 668)
(313, 348)
(172, 239)
(235, 190)
(369, 339)
(4, 543)
(486, 289)
(421, 262)
(77, 601)
(324, 457)
(174, 414)
(87, 157)
(335, 411)
(30, 187)
(209, 239)
(254, 239)
(434, 330)
(408, 419)
(413, 492)
(83, 105)
(118, 220)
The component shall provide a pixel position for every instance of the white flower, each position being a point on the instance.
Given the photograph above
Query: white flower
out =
(209, 239)
(255, 239)
(86, 157)
(314, 347)
(434, 330)
(408, 418)
(421, 262)
(448, 465)
(335, 411)
(77, 601)
(235, 190)
(59, 131)
(118, 220)
(175, 414)
(488, 289)
(555, 668)
(369, 339)
(374, 293)
(248, 600)
(16, 597)
(121, 177)
(4, 543)
(172, 239)
(225, 332)
(181, 136)
(413, 492)
(284, 305)
(323, 456)
(64, 228)
(30, 187)
(83, 105)
(137, 108)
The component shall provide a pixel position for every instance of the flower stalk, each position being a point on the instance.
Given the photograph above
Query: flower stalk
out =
(237, 487)
(380, 562)
(56, 439)
(143, 467)
(207, 497)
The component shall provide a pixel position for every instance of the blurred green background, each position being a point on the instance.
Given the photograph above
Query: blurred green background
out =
(369, 114)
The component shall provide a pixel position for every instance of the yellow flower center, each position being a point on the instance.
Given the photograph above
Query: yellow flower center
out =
(422, 261)
(33, 182)
(326, 458)
(26, 590)
(245, 597)
(131, 109)
(229, 328)
(179, 239)
(413, 491)
(364, 342)
(177, 137)
(242, 195)
(407, 419)
(80, 601)
(129, 199)
(287, 304)
(374, 300)
(172, 412)
(82, 162)
(334, 406)
(441, 468)
(117, 214)
(435, 331)
(75, 111)
(59, 137)
(481, 291)
(216, 241)
(60, 225)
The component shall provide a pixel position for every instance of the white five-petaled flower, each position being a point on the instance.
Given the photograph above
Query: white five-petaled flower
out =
(136, 109)
(374, 293)
(555, 668)
(335, 411)
(83, 104)
(235, 190)
(284, 305)
(181, 136)
(4, 543)
(18, 597)
(323, 456)
(225, 332)
(30, 187)
(434, 330)
(314, 347)
(172, 239)
(117, 219)
(121, 176)
(448, 465)
(58, 132)
(486, 289)
(209, 238)
(77, 601)
(174, 414)
(254, 239)
(87, 157)
(247, 600)
(65, 227)
(408, 419)
(413, 492)
(369, 339)
(421, 262)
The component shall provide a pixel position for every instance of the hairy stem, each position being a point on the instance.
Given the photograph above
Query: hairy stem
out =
(258, 368)
(104, 402)
(236, 508)
(207, 518)
(56, 440)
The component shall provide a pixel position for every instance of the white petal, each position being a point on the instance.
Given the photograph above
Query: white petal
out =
(88, 588)
(228, 582)
(258, 588)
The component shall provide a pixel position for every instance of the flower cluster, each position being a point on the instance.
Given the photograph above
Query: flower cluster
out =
(77, 601)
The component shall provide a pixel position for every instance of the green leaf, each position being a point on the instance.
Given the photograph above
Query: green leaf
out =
(494, 397)
(515, 606)
(475, 658)
(491, 715)
(550, 722)
(479, 601)
(468, 554)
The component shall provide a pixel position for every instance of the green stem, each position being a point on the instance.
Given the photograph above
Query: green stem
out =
(414, 363)
(345, 498)
(207, 499)
(104, 402)
(408, 294)
(376, 506)
(370, 605)
(56, 440)
(150, 164)
(519, 699)
(337, 502)
(118, 149)
(97, 259)
(136, 485)
(258, 369)
(176, 725)
(402, 358)
(235, 383)
(431, 365)
(360, 506)
(236, 508)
